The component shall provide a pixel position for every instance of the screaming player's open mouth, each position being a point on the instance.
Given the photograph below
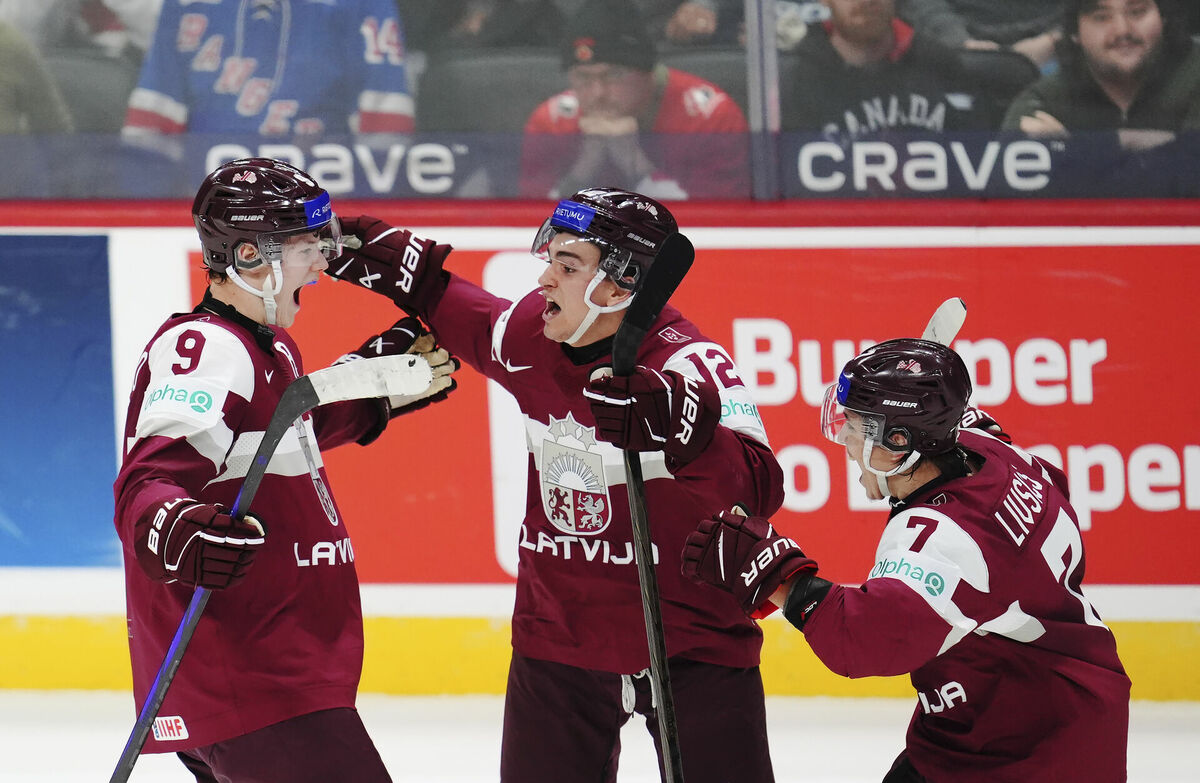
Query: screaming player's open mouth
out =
(551, 310)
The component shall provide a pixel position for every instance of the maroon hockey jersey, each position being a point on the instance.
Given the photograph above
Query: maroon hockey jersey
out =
(578, 600)
(976, 591)
(287, 640)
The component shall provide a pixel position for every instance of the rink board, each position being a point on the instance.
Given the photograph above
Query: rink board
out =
(465, 655)
(1074, 333)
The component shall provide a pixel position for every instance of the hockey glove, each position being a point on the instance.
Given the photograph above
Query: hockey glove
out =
(408, 335)
(392, 262)
(981, 420)
(655, 411)
(743, 556)
(199, 544)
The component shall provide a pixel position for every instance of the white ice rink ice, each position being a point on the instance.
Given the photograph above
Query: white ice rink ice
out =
(74, 736)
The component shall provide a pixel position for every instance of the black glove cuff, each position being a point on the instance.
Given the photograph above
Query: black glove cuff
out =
(805, 594)
(384, 415)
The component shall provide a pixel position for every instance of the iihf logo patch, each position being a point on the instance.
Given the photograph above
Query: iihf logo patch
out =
(574, 492)
(170, 728)
(670, 335)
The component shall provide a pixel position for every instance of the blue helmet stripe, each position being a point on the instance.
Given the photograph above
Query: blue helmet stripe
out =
(572, 215)
(318, 210)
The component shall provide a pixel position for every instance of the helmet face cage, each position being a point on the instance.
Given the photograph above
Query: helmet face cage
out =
(910, 394)
(260, 201)
(629, 229)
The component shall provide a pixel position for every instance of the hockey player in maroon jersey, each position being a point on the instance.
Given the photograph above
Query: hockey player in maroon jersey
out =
(975, 591)
(267, 689)
(578, 632)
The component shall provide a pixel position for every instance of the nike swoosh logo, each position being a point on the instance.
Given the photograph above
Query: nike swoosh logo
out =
(515, 367)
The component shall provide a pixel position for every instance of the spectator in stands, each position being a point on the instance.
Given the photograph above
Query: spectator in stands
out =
(431, 27)
(1128, 65)
(30, 102)
(273, 69)
(630, 122)
(693, 21)
(1029, 27)
(867, 73)
(118, 28)
(485, 23)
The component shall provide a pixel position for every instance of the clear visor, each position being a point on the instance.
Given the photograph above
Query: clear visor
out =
(838, 424)
(328, 236)
(614, 261)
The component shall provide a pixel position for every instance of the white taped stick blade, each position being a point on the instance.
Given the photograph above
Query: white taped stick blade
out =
(382, 376)
(946, 321)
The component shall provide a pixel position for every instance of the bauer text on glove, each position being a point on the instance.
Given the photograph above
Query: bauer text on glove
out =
(391, 261)
(655, 411)
(744, 556)
(199, 544)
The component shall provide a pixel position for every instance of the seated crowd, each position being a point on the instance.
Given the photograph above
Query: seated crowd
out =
(644, 94)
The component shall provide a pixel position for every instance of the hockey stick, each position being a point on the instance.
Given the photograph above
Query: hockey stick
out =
(383, 376)
(946, 321)
(671, 263)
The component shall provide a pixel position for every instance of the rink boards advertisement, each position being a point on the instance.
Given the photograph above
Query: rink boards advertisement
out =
(1080, 341)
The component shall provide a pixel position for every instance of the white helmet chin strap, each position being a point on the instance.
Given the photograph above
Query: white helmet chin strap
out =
(274, 280)
(594, 310)
(881, 476)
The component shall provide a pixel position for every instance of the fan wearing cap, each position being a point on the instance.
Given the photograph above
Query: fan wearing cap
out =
(580, 657)
(975, 591)
(628, 121)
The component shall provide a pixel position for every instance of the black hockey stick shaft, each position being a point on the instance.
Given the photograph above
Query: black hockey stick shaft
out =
(299, 398)
(671, 263)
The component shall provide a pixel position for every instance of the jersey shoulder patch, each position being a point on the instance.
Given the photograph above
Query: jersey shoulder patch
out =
(931, 553)
(194, 366)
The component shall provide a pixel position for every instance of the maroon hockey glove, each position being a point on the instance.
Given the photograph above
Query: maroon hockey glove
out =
(408, 335)
(398, 339)
(981, 420)
(392, 262)
(655, 411)
(743, 556)
(199, 544)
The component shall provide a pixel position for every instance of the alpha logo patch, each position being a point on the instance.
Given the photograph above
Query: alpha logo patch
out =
(574, 492)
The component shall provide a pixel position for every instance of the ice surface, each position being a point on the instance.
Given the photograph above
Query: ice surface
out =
(61, 736)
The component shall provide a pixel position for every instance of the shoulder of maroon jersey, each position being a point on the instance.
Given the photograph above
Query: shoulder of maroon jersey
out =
(523, 343)
(670, 333)
(231, 328)
(971, 500)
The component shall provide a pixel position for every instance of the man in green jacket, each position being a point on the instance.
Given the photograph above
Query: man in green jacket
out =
(1128, 65)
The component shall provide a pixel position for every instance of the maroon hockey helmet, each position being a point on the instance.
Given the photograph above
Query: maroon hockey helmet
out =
(629, 229)
(260, 201)
(910, 394)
